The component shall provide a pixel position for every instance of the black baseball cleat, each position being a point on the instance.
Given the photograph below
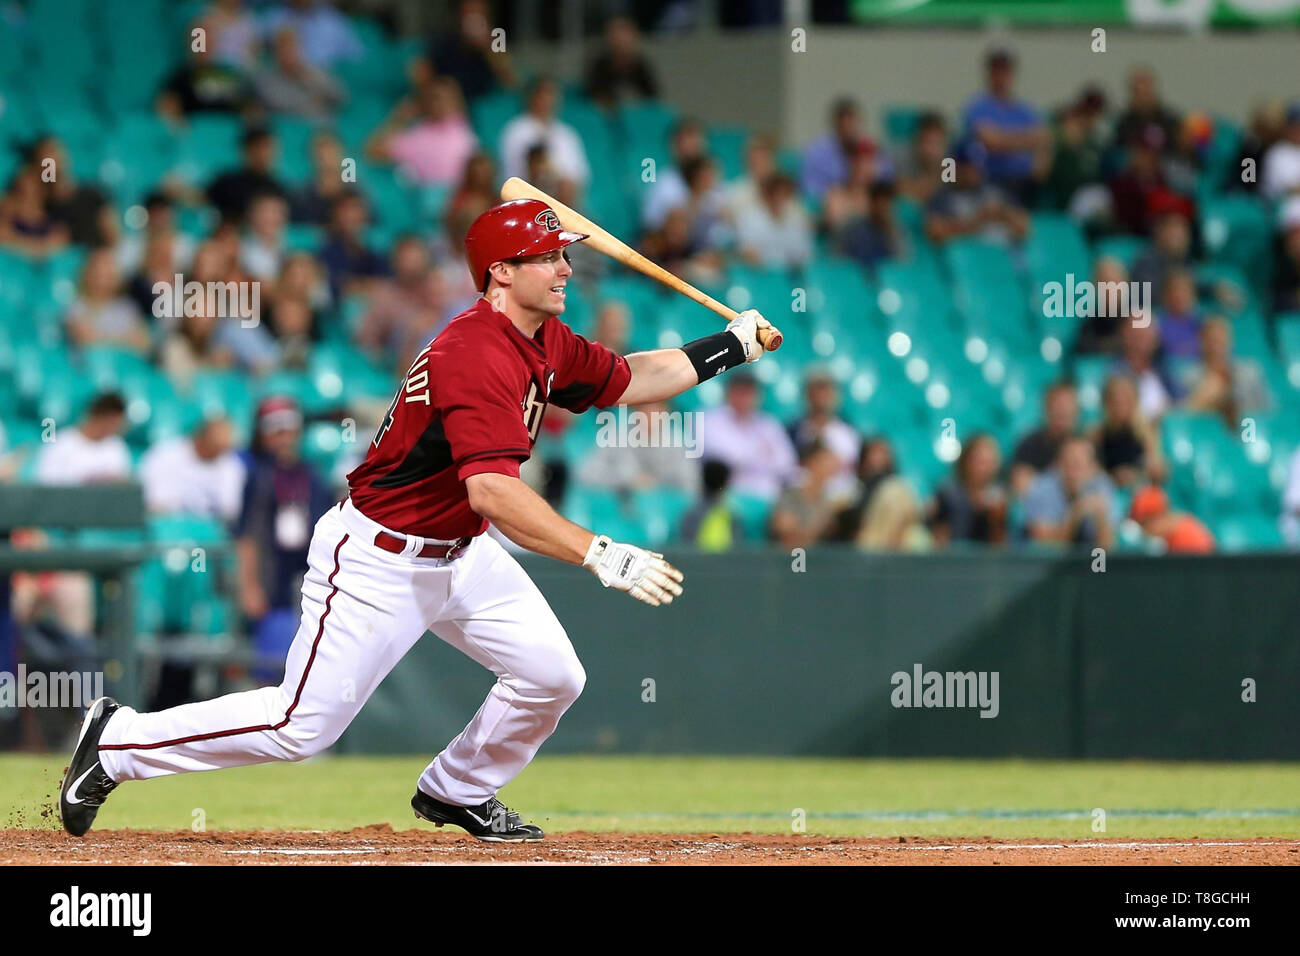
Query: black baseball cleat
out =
(85, 784)
(491, 822)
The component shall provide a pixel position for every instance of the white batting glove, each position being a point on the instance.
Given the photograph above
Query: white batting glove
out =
(643, 574)
(745, 327)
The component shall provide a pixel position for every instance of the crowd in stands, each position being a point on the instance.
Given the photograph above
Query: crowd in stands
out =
(328, 271)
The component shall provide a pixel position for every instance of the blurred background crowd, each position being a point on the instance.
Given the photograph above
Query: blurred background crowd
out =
(932, 393)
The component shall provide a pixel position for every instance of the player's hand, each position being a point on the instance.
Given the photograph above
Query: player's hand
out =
(643, 574)
(745, 327)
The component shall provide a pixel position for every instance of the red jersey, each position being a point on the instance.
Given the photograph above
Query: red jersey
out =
(473, 402)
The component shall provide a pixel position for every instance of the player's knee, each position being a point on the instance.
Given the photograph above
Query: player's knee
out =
(559, 678)
(301, 740)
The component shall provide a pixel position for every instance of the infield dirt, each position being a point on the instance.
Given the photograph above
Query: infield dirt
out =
(384, 845)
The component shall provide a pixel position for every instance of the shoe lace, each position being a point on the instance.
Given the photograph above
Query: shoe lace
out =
(97, 788)
(496, 810)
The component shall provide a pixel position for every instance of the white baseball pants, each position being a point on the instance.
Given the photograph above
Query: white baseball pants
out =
(362, 610)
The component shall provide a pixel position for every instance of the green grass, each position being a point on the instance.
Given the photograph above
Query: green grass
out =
(1003, 798)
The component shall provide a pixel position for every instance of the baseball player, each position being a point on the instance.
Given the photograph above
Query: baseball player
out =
(405, 551)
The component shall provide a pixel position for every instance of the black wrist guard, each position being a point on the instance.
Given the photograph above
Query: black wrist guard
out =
(714, 354)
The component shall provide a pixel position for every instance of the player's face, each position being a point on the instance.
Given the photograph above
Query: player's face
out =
(539, 282)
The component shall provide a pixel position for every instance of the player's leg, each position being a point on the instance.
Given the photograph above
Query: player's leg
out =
(500, 619)
(362, 609)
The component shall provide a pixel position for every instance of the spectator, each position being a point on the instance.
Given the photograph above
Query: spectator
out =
(91, 453)
(102, 314)
(262, 251)
(1074, 182)
(221, 339)
(876, 236)
(752, 443)
(620, 71)
(711, 525)
(1267, 123)
(403, 311)
(301, 280)
(1145, 110)
(468, 56)
(662, 464)
(675, 247)
(1180, 317)
(875, 463)
(1227, 385)
(669, 190)
(1170, 250)
(826, 160)
(352, 266)
(1286, 277)
(805, 512)
(438, 141)
(778, 234)
(193, 346)
(822, 423)
(1072, 503)
(26, 224)
(539, 124)
(79, 207)
(612, 327)
(850, 199)
(1140, 358)
(160, 265)
(1099, 333)
(233, 192)
(1181, 533)
(310, 203)
(198, 474)
(292, 85)
(542, 174)
(1289, 521)
(704, 205)
(299, 295)
(921, 170)
(1015, 142)
(324, 34)
(232, 34)
(893, 519)
(971, 505)
(742, 193)
(972, 206)
(476, 191)
(1128, 446)
(1280, 174)
(1142, 192)
(283, 498)
(1039, 449)
(159, 232)
(203, 84)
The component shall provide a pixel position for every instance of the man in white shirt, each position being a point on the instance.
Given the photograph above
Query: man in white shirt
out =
(91, 453)
(821, 423)
(753, 444)
(669, 189)
(568, 157)
(1280, 175)
(198, 474)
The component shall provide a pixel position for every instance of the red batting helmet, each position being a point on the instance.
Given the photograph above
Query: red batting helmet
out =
(512, 230)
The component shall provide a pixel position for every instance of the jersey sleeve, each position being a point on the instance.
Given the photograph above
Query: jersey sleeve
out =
(482, 418)
(586, 373)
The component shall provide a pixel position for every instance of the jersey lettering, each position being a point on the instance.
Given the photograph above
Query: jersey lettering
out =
(415, 387)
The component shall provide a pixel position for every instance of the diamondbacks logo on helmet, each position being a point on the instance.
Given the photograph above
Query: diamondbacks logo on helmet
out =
(549, 219)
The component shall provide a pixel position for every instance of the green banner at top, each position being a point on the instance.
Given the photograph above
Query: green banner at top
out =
(1153, 13)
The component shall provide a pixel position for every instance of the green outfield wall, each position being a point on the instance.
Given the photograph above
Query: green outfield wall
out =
(1152, 658)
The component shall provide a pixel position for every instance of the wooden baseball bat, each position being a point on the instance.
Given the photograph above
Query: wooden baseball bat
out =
(615, 248)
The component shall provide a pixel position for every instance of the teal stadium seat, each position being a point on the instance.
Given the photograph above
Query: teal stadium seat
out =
(660, 511)
(1237, 230)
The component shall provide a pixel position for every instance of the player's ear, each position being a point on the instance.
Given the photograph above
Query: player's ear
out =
(501, 271)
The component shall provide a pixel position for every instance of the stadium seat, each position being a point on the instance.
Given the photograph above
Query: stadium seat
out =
(660, 511)
(753, 514)
(1237, 230)
(1249, 532)
(1124, 248)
